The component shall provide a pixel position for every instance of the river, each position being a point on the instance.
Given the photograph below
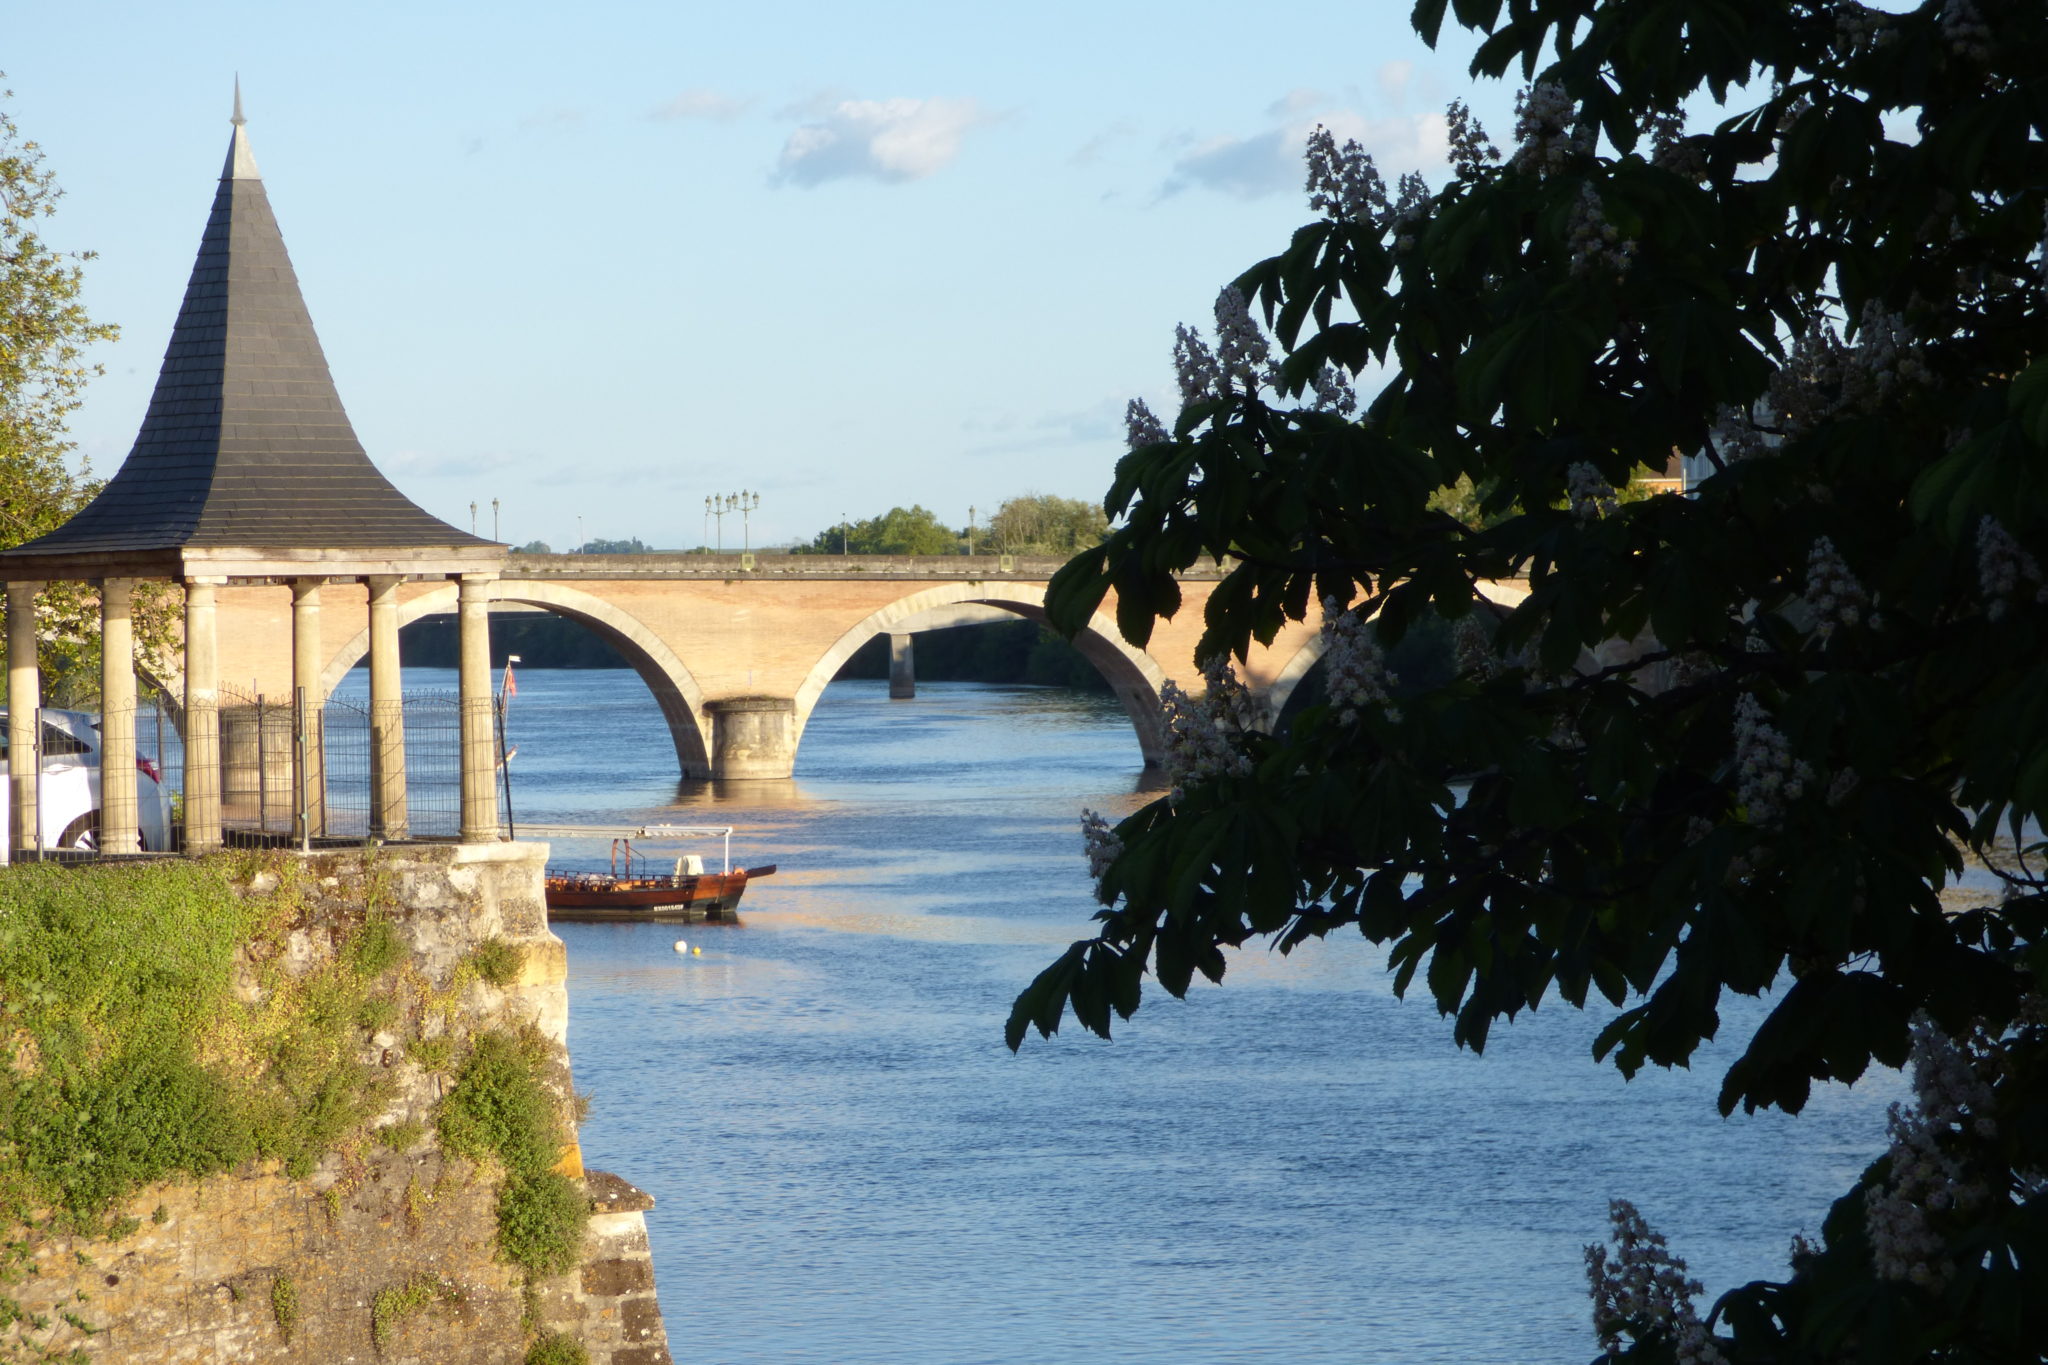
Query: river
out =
(1295, 1166)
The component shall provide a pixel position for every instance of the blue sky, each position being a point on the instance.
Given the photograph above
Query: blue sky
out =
(599, 263)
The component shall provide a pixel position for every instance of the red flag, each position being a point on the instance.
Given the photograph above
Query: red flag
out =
(511, 688)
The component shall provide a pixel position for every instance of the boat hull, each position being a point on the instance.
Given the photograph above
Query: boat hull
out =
(710, 896)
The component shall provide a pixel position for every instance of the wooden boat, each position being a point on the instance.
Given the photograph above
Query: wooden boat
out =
(632, 890)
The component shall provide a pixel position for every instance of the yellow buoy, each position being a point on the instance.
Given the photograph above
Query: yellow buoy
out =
(696, 952)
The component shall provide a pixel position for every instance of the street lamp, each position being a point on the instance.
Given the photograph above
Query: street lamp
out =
(742, 502)
(717, 506)
(747, 503)
(843, 529)
(970, 528)
(472, 516)
(494, 519)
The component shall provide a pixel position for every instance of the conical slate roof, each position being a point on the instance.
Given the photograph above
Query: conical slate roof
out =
(246, 445)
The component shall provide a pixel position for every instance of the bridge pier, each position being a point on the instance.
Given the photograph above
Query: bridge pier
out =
(752, 737)
(902, 668)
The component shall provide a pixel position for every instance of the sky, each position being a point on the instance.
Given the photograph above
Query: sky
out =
(599, 263)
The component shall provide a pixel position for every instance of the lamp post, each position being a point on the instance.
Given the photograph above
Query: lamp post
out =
(742, 502)
(843, 529)
(970, 528)
(494, 519)
(747, 503)
(472, 516)
(718, 505)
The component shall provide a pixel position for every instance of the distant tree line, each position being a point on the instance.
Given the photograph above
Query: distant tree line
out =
(1034, 524)
(1005, 652)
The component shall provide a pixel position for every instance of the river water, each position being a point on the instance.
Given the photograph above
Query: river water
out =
(1295, 1166)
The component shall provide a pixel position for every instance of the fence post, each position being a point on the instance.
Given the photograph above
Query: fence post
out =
(302, 818)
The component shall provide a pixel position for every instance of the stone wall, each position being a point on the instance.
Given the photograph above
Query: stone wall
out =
(256, 1266)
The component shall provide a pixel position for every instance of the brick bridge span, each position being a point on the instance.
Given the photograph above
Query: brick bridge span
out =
(737, 649)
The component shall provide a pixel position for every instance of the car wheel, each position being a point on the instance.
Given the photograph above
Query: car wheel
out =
(82, 834)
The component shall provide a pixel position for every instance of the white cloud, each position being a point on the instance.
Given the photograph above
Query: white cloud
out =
(1091, 151)
(1395, 79)
(1270, 162)
(698, 102)
(888, 140)
(1295, 101)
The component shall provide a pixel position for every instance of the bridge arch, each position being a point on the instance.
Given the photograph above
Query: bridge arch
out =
(1133, 675)
(674, 689)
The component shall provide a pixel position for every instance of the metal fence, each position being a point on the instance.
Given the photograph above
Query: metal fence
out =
(346, 749)
(351, 744)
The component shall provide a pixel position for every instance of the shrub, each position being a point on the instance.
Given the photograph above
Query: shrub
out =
(557, 1348)
(498, 962)
(500, 1109)
(284, 1306)
(540, 1222)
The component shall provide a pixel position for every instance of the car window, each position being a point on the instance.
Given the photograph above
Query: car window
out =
(55, 742)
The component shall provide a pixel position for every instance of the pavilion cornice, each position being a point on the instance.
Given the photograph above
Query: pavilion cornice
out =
(241, 562)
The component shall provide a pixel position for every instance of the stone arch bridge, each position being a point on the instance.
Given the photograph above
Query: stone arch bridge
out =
(737, 649)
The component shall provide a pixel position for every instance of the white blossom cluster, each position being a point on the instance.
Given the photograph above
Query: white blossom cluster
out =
(1766, 775)
(1823, 379)
(1859, 28)
(1833, 593)
(1333, 392)
(1546, 135)
(1354, 670)
(1590, 495)
(1964, 30)
(1411, 208)
(1226, 698)
(2005, 569)
(1194, 366)
(1470, 150)
(1472, 651)
(1644, 1287)
(1951, 1100)
(1342, 181)
(1201, 732)
(1735, 437)
(1669, 150)
(1141, 428)
(1098, 836)
(1596, 244)
(1241, 350)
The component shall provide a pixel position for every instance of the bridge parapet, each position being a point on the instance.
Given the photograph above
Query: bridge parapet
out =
(783, 566)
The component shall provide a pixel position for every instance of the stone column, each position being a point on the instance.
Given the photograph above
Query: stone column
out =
(24, 697)
(902, 668)
(120, 817)
(479, 747)
(752, 737)
(388, 818)
(202, 718)
(309, 772)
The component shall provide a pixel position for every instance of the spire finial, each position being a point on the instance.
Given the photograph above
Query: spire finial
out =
(238, 120)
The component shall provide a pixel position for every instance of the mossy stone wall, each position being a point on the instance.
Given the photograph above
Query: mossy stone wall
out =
(387, 1247)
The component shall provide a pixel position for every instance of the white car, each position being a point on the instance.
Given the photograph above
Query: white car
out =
(71, 786)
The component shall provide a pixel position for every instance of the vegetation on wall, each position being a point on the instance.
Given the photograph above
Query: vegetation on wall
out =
(175, 1020)
(502, 1110)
